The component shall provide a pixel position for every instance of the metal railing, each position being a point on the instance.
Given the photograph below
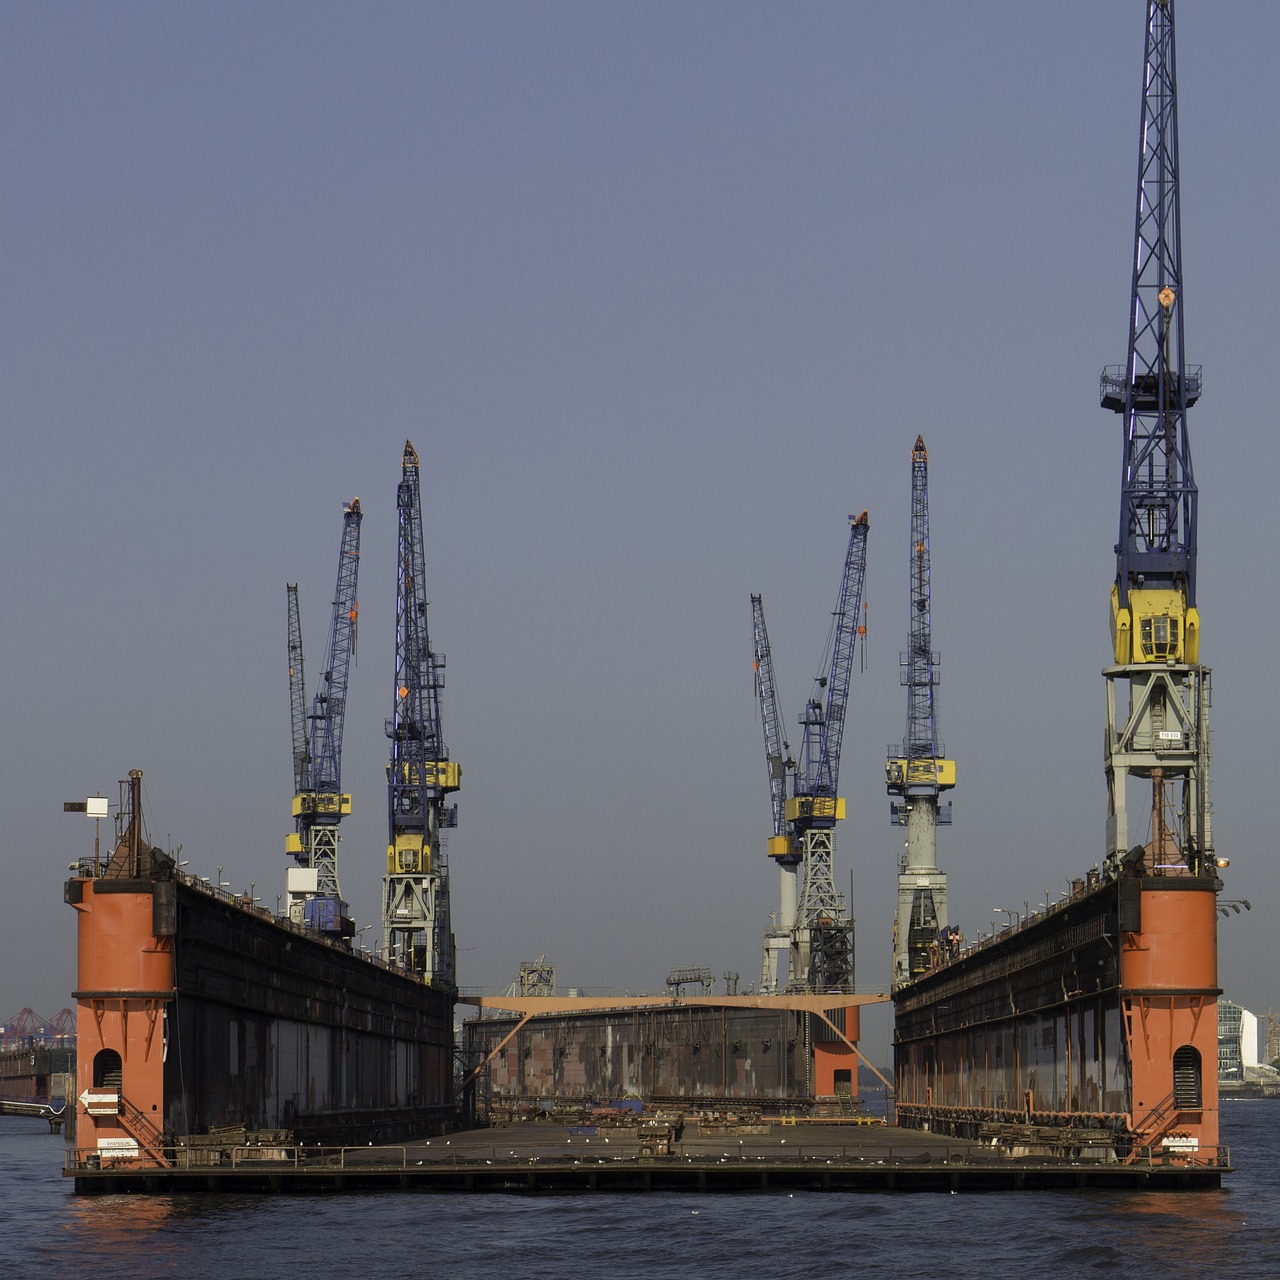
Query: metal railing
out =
(89, 869)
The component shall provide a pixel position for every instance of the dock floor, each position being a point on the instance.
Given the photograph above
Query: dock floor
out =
(538, 1158)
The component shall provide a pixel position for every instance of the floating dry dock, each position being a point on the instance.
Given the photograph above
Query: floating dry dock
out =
(541, 1159)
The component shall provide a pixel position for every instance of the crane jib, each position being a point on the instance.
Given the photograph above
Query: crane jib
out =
(819, 769)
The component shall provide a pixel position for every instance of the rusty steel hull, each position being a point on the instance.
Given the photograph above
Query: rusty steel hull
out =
(1100, 1015)
(36, 1072)
(685, 1054)
(197, 1012)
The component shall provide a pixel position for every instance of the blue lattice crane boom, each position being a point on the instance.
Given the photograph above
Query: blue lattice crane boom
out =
(1158, 694)
(417, 741)
(329, 708)
(420, 776)
(1153, 606)
(297, 696)
(918, 766)
(920, 674)
(319, 803)
(777, 751)
(815, 802)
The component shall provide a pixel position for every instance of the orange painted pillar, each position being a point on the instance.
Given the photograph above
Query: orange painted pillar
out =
(124, 981)
(1169, 993)
(832, 1055)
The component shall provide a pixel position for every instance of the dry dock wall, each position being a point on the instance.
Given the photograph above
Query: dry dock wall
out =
(1100, 1014)
(708, 1054)
(995, 1033)
(195, 1012)
(274, 1029)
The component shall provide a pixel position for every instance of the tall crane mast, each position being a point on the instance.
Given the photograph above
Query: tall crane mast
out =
(916, 771)
(776, 750)
(817, 928)
(1158, 694)
(781, 770)
(319, 803)
(297, 695)
(416, 925)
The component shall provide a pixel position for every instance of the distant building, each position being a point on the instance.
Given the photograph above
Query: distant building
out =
(1240, 1074)
(1268, 1037)
(1237, 1041)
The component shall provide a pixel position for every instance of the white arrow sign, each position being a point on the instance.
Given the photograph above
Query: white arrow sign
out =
(101, 1102)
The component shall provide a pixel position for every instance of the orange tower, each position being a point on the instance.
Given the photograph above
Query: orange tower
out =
(125, 922)
(1169, 989)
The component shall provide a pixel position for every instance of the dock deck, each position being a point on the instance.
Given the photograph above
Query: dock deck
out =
(537, 1158)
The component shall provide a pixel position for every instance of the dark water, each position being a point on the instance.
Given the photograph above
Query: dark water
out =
(47, 1231)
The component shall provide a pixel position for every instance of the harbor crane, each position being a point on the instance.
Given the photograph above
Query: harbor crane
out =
(1158, 694)
(916, 772)
(812, 918)
(781, 767)
(319, 803)
(417, 932)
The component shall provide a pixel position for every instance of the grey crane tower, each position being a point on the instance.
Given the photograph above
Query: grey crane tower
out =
(917, 772)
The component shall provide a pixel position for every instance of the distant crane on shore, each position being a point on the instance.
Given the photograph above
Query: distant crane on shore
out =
(417, 932)
(319, 803)
(28, 1027)
(813, 929)
(916, 772)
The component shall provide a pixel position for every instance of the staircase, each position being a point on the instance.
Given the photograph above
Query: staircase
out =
(139, 1127)
(1156, 1125)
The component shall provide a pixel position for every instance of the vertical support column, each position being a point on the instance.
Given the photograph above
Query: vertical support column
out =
(822, 940)
(1165, 734)
(922, 892)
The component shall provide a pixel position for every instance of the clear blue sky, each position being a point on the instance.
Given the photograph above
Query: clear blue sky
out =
(661, 292)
